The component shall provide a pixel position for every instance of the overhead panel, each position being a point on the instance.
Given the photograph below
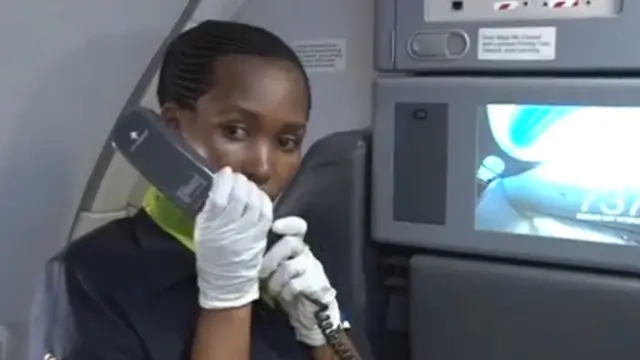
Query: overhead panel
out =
(507, 35)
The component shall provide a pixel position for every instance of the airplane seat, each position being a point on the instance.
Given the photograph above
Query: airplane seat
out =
(331, 192)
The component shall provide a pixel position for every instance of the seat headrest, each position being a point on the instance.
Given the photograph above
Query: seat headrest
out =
(326, 175)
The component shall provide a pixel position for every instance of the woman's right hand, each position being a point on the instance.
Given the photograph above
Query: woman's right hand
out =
(230, 240)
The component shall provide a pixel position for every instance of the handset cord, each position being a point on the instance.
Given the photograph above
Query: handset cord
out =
(332, 334)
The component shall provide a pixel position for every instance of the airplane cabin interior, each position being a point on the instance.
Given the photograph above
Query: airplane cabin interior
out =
(465, 177)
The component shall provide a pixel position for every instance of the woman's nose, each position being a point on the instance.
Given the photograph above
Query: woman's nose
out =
(258, 165)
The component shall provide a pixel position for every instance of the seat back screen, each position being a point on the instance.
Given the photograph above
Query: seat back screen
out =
(567, 172)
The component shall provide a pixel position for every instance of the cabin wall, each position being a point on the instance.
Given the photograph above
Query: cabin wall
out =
(68, 67)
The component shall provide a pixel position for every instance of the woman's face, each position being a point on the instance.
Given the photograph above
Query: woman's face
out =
(253, 120)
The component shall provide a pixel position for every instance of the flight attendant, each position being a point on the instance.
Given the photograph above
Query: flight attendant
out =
(162, 286)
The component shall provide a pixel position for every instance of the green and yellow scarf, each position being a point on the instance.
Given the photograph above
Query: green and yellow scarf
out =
(169, 217)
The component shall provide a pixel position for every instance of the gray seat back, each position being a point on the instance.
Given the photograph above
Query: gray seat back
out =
(331, 193)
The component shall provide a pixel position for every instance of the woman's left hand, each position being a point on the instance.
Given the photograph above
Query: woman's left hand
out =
(291, 270)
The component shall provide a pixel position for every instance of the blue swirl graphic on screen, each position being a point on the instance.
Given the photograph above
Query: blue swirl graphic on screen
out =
(517, 129)
(529, 122)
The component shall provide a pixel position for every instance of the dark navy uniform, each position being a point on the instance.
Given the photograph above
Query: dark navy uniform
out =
(128, 291)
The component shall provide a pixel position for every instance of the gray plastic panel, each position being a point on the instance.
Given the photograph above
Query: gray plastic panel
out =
(385, 21)
(329, 192)
(462, 309)
(582, 44)
(425, 161)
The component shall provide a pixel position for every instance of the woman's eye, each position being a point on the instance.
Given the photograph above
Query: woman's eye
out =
(288, 143)
(236, 132)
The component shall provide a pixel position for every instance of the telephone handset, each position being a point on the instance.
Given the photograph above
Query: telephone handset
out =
(163, 158)
(169, 164)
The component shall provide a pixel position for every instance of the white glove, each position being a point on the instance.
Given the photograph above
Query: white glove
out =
(292, 270)
(230, 240)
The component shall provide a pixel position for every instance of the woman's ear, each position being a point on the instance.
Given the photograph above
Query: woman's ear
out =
(171, 115)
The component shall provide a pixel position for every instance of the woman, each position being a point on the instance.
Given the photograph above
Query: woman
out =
(133, 289)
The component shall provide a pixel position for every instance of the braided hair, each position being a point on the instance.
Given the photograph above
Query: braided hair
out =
(187, 70)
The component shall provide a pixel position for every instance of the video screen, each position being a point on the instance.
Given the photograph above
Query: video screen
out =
(568, 172)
